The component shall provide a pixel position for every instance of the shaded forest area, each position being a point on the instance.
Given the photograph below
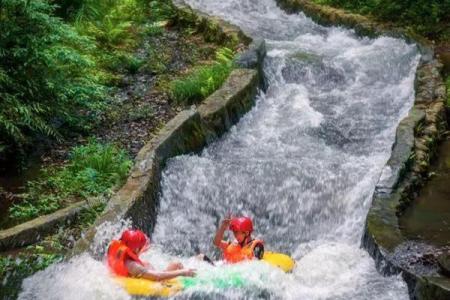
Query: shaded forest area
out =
(58, 59)
(74, 88)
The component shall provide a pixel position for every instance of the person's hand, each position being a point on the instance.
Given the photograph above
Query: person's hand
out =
(189, 272)
(226, 221)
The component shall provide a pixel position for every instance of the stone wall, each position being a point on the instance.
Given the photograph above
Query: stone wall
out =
(188, 132)
(416, 139)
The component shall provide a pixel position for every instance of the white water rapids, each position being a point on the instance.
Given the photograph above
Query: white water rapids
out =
(303, 163)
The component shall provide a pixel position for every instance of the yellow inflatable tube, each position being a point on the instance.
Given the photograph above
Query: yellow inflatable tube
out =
(144, 287)
(279, 260)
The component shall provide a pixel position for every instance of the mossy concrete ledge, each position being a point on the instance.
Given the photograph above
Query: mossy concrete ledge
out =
(330, 16)
(188, 132)
(406, 171)
(32, 231)
(213, 28)
(363, 25)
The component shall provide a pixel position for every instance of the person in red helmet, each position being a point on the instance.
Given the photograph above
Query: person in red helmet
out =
(245, 247)
(123, 259)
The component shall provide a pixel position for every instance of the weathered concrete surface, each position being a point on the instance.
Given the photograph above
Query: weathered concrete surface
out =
(400, 158)
(188, 132)
(444, 263)
(30, 232)
(224, 107)
(253, 58)
(137, 199)
(416, 139)
(221, 110)
(404, 174)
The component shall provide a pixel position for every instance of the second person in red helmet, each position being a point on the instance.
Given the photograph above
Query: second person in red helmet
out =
(245, 247)
(123, 254)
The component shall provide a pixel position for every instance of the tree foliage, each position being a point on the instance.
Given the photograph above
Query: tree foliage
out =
(46, 77)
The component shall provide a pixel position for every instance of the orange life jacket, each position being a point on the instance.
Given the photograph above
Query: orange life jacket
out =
(234, 252)
(118, 253)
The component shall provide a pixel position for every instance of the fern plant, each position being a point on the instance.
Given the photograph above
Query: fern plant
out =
(204, 80)
(46, 78)
(93, 169)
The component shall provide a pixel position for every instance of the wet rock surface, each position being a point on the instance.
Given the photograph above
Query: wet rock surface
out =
(419, 258)
(401, 152)
(406, 171)
(444, 263)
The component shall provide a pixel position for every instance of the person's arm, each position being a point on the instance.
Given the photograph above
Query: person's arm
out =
(218, 239)
(137, 270)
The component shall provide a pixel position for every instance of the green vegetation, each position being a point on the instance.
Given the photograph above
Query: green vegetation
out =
(36, 259)
(204, 80)
(92, 170)
(46, 76)
(140, 112)
(448, 90)
(116, 26)
(426, 17)
(89, 215)
(58, 59)
(14, 268)
(60, 63)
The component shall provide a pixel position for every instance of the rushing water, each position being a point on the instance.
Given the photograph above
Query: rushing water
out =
(303, 163)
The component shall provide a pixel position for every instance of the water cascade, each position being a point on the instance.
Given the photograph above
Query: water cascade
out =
(303, 163)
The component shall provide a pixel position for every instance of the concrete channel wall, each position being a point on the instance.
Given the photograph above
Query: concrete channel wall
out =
(192, 129)
(188, 132)
(416, 138)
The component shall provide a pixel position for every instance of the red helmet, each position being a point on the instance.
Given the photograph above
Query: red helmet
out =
(241, 224)
(134, 239)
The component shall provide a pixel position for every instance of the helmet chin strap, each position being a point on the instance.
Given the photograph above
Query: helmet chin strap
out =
(246, 240)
